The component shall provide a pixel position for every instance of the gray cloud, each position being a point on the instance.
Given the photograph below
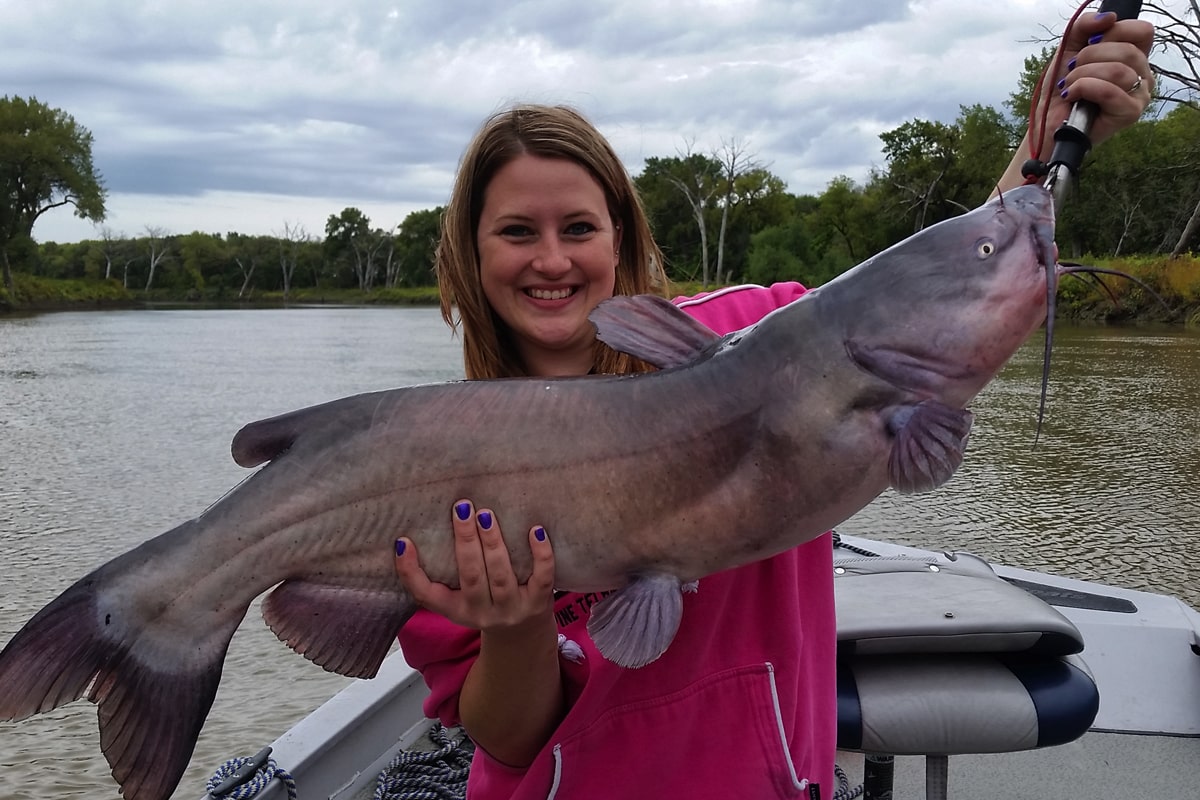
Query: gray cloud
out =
(372, 104)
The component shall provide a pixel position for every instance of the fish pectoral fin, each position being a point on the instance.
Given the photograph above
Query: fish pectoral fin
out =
(634, 625)
(651, 328)
(928, 447)
(347, 630)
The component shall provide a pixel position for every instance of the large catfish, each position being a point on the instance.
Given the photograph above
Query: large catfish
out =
(741, 447)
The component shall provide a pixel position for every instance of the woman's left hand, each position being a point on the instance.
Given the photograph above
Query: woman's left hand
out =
(1113, 72)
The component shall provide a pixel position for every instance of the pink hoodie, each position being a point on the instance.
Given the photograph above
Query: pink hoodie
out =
(742, 704)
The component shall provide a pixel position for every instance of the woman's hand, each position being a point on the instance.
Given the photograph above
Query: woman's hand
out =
(1114, 73)
(489, 595)
(512, 698)
(1106, 62)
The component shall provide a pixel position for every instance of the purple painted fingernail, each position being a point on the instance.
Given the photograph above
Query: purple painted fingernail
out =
(1096, 38)
(400, 545)
(1072, 64)
(539, 533)
(1062, 83)
(1064, 95)
(485, 520)
(463, 510)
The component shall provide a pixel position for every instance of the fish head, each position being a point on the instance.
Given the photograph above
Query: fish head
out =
(940, 313)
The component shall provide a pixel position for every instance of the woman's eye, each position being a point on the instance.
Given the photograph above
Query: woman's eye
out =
(580, 228)
(516, 231)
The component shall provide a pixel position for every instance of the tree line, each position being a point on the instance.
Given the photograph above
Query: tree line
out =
(720, 216)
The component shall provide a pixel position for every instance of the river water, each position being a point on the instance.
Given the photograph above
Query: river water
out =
(115, 426)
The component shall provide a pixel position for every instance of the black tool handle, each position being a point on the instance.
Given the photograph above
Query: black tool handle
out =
(1126, 9)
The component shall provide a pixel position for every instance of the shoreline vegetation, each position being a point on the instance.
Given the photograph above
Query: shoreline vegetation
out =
(1175, 280)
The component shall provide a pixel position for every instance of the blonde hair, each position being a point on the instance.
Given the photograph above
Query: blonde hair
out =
(548, 132)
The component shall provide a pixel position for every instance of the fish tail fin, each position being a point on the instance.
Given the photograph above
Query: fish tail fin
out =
(150, 706)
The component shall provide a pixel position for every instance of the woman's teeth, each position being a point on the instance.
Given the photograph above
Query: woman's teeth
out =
(550, 294)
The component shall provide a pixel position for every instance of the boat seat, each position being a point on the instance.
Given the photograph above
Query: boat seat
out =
(939, 656)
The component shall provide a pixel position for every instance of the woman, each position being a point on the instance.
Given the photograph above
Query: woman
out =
(542, 225)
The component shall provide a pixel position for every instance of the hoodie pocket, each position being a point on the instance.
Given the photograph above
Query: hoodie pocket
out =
(722, 736)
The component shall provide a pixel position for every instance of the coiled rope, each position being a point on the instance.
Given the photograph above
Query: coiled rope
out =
(243, 778)
(439, 774)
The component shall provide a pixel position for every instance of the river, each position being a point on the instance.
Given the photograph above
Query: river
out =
(115, 426)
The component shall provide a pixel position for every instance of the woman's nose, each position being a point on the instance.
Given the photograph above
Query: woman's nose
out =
(551, 259)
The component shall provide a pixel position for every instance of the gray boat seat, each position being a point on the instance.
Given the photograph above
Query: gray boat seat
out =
(940, 656)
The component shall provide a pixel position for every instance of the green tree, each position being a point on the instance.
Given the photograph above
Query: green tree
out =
(45, 163)
(415, 243)
(205, 261)
(1019, 101)
(986, 141)
(781, 253)
(679, 195)
(348, 236)
(249, 253)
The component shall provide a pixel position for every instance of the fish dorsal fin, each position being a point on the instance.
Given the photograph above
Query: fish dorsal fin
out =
(651, 328)
(259, 442)
(267, 439)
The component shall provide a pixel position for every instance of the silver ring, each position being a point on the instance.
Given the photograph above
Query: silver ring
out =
(1136, 85)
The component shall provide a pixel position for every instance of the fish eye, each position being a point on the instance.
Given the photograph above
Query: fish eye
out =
(985, 248)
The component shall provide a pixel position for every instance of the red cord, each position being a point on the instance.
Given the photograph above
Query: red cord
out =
(1035, 138)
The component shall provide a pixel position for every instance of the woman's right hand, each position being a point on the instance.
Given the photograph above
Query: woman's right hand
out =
(489, 596)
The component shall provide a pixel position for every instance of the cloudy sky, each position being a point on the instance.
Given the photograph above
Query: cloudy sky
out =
(240, 116)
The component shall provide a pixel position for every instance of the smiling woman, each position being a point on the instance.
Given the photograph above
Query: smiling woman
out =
(548, 251)
(514, 256)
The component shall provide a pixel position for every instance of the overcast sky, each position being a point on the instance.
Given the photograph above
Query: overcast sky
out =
(240, 116)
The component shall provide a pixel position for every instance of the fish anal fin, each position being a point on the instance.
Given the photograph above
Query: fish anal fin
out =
(651, 328)
(928, 447)
(634, 625)
(342, 629)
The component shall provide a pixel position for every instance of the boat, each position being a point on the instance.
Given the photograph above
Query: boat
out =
(974, 680)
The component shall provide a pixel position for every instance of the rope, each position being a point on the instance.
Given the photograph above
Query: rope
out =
(844, 792)
(428, 775)
(853, 548)
(251, 783)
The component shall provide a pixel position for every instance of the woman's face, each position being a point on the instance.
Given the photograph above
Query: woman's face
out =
(548, 255)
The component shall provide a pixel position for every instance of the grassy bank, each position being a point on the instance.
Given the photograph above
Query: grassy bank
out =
(39, 294)
(44, 294)
(1175, 295)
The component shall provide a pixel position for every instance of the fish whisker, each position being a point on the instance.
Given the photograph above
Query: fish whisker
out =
(1093, 273)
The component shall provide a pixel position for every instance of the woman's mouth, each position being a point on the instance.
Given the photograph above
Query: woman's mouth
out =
(551, 294)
